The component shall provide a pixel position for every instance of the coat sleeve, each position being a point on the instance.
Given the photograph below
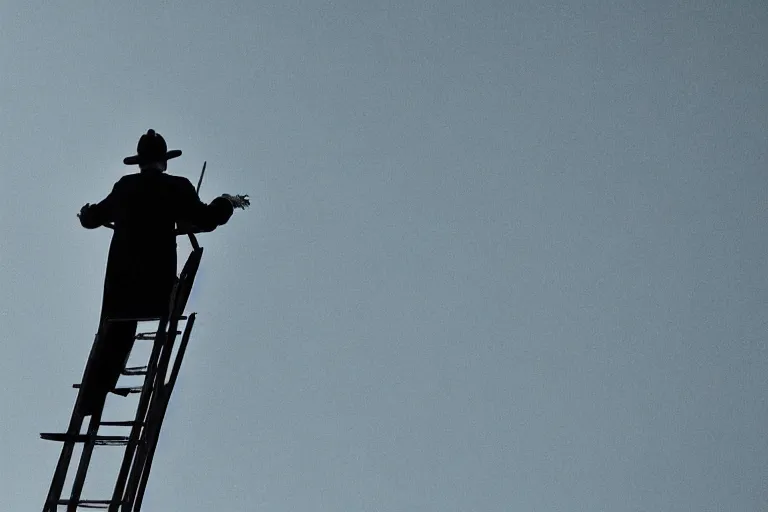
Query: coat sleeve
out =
(197, 215)
(96, 215)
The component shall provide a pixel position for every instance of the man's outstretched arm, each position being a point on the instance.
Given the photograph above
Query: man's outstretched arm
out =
(196, 216)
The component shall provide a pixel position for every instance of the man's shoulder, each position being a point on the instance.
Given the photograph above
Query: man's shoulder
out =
(126, 180)
(171, 179)
(142, 182)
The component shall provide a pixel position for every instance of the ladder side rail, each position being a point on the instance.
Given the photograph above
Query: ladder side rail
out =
(178, 302)
(145, 453)
(179, 299)
(157, 399)
(60, 474)
(136, 455)
(67, 449)
(165, 357)
(186, 281)
(158, 422)
(180, 356)
(142, 449)
(140, 418)
(85, 460)
(193, 238)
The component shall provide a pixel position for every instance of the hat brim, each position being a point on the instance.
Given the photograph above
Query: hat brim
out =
(136, 159)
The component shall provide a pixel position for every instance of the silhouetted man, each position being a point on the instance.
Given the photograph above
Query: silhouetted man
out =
(145, 209)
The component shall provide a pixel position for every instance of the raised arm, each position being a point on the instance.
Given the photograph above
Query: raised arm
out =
(196, 216)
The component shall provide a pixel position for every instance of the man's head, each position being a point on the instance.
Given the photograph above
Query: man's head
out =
(152, 152)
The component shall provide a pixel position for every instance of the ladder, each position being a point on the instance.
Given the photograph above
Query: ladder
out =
(143, 430)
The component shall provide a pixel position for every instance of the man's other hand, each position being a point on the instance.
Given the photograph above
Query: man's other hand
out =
(83, 210)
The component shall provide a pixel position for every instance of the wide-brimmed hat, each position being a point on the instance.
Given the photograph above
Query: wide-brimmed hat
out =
(151, 148)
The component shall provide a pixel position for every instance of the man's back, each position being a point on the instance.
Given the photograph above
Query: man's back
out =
(149, 201)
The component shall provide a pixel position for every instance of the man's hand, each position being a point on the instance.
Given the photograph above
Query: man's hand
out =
(83, 210)
(238, 201)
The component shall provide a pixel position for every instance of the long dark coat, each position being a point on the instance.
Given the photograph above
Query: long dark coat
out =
(141, 269)
(145, 208)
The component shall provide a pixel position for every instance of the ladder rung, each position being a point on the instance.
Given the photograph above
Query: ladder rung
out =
(135, 370)
(126, 391)
(144, 336)
(88, 503)
(64, 437)
(142, 319)
(111, 440)
(120, 423)
(118, 391)
(82, 438)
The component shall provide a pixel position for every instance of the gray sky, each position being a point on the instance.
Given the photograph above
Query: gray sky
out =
(502, 256)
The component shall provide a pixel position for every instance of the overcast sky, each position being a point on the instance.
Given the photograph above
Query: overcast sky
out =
(502, 255)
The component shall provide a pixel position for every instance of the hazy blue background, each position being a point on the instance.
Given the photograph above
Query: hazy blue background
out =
(502, 256)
